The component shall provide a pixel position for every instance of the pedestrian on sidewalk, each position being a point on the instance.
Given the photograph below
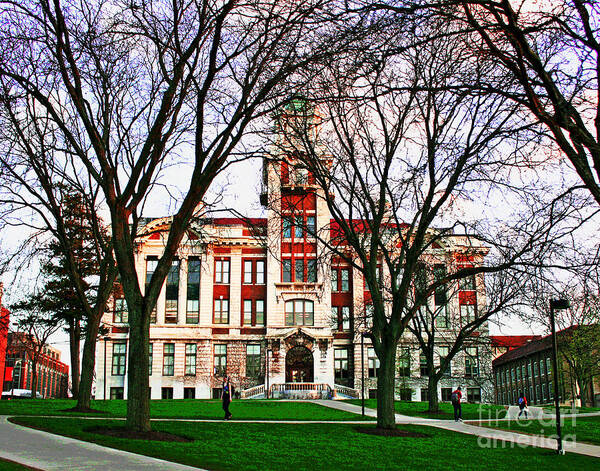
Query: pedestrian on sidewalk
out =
(456, 397)
(522, 402)
(226, 396)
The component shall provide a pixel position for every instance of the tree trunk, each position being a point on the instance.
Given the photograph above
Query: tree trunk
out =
(88, 363)
(34, 378)
(138, 400)
(74, 347)
(386, 412)
(434, 402)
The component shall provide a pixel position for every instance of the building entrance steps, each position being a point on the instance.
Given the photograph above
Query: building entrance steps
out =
(46, 451)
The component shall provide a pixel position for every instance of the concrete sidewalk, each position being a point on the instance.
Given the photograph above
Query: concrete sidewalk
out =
(487, 436)
(46, 451)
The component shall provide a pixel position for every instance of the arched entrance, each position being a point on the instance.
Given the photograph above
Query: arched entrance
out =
(299, 365)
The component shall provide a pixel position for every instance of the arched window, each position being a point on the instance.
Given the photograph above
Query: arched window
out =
(299, 312)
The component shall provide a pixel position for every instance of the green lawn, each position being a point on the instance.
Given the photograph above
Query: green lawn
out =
(239, 446)
(7, 465)
(184, 408)
(417, 409)
(583, 429)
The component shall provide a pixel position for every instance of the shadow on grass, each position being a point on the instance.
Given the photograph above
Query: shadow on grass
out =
(152, 435)
(386, 432)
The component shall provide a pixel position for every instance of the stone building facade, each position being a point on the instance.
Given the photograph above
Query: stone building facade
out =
(258, 299)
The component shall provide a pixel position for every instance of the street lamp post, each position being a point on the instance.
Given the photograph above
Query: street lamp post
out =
(104, 397)
(362, 371)
(556, 304)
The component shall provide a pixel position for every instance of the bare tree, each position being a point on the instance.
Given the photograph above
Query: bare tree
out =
(126, 82)
(405, 157)
(34, 328)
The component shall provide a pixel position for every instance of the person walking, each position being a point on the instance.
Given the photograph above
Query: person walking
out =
(522, 402)
(455, 397)
(226, 396)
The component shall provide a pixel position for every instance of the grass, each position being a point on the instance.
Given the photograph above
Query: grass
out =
(8, 465)
(582, 429)
(418, 409)
(184, 409)
(245, 447)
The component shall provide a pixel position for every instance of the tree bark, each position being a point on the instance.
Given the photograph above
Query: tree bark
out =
(34, 378)
(434, 402)
(88, 363)
(138, 399)
(74, 348)
(386, 376)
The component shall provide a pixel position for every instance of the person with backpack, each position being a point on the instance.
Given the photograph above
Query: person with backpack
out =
(522, 402)
(455, 397)
(226, 396)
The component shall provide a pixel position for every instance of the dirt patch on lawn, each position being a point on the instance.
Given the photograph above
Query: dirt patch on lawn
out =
(87, 410)
(385, 432)
(153, 435)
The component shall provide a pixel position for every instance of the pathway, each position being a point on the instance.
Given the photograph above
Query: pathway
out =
(46, 451)
(487, 437)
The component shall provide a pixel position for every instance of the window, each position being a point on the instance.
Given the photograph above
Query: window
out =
(443, 353)
(440, 295)
(172, 293)
(247, 271)
(299, 312)
(536, 372)
(442, 320)
(168, 359)
(340, 365)
(542, 367)
(220, 359)
(151, 263)
(311, 270)
(300, 176)
(193, 291)
(310, 226)
(550, 390)
(150, 351)
(116, 393)
(369, 311)
(286, 270)
(518, 373)
(446, 394)
(247, 311)
(424, 394)
(345, 318)
(474, 395)
(118, 359)
(221, 311)
(472, 362)
(423, 365)
(189, 393)
(467, 283)
(299, 269)
(373, 363)
(167, 393)
(467, 313)
(548, 367)
(120, 311)
(190, 359)
(528, 370)
(222, 271)
(260, 312)
(253, 361)
(334, 279)
(299, 228)
(260, 272)
(544, 391)
(287, 228)
(404, 363)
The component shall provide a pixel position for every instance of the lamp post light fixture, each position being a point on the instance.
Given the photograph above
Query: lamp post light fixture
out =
(556, 304)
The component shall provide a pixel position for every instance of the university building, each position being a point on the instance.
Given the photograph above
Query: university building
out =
(259, 300)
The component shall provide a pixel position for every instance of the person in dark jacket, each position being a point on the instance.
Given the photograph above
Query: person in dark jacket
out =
(227, 395)
(522, 402)
(455, 397)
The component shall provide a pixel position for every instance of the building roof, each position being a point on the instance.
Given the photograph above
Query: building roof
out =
(512, 341)
(534, 346)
